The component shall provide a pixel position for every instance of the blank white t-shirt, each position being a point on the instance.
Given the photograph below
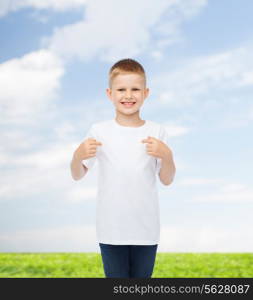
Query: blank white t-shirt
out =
(127, 210)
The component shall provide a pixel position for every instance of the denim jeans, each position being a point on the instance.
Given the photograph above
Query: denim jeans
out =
(128, 261)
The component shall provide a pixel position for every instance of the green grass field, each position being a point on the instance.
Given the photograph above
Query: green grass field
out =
(89, 265)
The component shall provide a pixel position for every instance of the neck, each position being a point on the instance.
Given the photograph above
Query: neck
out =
(129, 120)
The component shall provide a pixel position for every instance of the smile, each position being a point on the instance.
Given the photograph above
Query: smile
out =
(128, 104)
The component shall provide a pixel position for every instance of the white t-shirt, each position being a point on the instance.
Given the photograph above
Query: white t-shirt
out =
(127, 210)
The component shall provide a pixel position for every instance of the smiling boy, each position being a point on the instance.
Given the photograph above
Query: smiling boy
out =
(130, 152)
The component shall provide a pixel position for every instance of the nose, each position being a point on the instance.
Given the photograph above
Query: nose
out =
(128, 94)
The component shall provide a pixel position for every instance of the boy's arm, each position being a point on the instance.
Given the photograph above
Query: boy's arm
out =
(78, 170)
(168, 169)
(161, 151)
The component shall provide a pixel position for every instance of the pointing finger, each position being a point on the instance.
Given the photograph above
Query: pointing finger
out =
(96, 143)
(152, 138)
(147, 141)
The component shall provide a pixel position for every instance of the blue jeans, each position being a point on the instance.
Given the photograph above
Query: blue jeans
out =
(128, 261)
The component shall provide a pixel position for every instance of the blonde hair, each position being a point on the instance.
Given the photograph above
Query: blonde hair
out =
(126, 65)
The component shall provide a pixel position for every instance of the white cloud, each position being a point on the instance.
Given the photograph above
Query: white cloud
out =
(157, 55)
(45, 170)
(83, 239)
(205, 239)
(28, 85)
(7, 6)
(113, 29)
(81, 193)
(247, 78)
(193, 79)
(199, 181)
(175, 130)
(240, 116)
(64, 130)
(230, 193)
(233, 187)
(62, 239)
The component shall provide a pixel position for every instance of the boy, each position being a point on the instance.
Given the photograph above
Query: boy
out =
(130, 152)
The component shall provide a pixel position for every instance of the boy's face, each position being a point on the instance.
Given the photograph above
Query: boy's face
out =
(130, 88)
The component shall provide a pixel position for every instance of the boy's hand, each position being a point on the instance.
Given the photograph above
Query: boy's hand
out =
(87, 149)
(156, 147)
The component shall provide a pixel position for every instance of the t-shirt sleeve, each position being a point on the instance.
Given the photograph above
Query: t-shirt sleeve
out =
(164, 137)
(89, 162)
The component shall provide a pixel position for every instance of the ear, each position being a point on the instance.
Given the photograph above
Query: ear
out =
(109, 93)
(146, 92)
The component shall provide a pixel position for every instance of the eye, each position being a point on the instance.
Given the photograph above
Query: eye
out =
(135, 89)
(120, 90)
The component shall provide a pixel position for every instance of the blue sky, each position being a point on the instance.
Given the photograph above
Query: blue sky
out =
(54, 61)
